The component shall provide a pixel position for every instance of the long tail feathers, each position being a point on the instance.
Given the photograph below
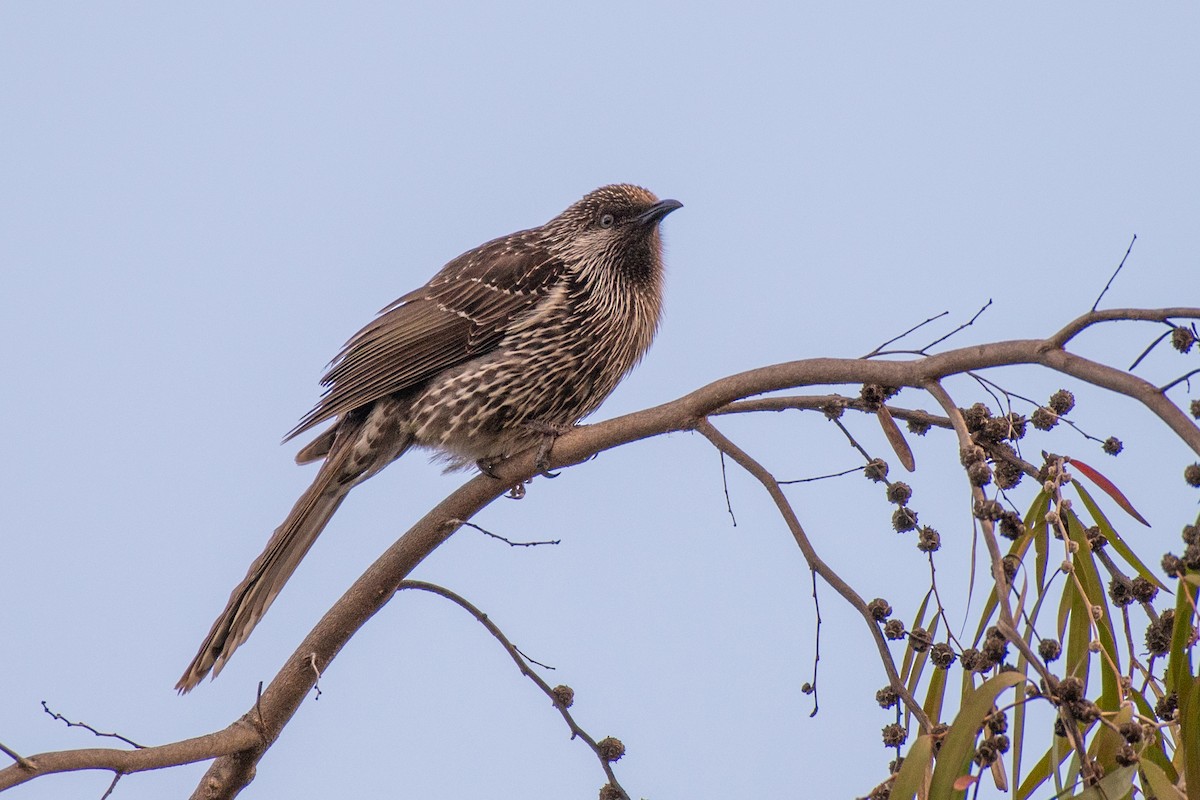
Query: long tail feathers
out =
(269, 572)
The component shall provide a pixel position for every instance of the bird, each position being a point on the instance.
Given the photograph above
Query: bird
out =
(508, 344)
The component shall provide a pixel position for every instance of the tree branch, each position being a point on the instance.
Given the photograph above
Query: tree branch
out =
(237, 737)
(520, 660)
(760, 473)
(239, 747)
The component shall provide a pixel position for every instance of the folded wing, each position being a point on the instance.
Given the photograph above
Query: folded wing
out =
(462, 313)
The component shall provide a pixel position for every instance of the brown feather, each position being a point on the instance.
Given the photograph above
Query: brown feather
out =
(461, 313)
(524, 334)
(360, 448)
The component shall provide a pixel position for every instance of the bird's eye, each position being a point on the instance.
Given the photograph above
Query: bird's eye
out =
(607, 220)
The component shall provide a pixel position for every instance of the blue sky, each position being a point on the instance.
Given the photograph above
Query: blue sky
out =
(200, 204)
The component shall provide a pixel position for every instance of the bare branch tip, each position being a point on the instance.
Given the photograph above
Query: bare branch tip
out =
(1113, 277)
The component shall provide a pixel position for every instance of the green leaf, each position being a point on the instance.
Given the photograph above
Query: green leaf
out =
(1035, 517)
(1039, 532)
(1107, 741)
(1161, 786)
(1018, 549)
(909, 653)
(1114, 538)
(1186, 687)
(1179, 662)
(922, 658)
(912, 771)
(935, 694)
(1153, 752)
(954, 759)
(1018, 728)
(1041, 770)
(1075, 614)
(1189, 730)
(1093, 585)
(1111, 787)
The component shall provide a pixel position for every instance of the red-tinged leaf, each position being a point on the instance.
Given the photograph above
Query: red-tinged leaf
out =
(964, 782)
(1109, 488)
(896, 439)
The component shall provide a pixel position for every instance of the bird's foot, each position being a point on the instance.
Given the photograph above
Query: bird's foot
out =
(488, 467)
(550, 432)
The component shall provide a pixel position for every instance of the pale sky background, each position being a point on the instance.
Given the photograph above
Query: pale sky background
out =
(198, 205)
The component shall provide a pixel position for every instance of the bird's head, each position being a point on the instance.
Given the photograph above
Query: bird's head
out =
(615, 227)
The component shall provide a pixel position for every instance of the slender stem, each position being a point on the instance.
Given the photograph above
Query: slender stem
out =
(818, 566)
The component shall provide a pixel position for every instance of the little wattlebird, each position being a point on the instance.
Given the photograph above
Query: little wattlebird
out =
(510, 342)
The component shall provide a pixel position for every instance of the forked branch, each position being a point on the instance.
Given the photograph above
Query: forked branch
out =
(238, 748)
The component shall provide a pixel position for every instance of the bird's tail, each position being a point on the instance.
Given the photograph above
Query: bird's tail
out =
(270, 571)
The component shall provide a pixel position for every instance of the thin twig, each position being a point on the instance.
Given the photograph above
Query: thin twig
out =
(1154, 344)
(964, 326)
(108, 792)
(941, 610)
(823, 477)
(17, 757)
(87, 727)
(725, 484)
(1133, 661)
(507, 541)
(982, 380)
(816, 644)
(1177, 381)
(987, 387)
(312, 662)
(913, 329)
(520, 660)
(527, 657)
(820, 402)
(853, 442)
(759, 472)
(1113, 277)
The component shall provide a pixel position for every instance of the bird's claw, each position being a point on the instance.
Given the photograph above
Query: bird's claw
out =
(487, 467)
(549, 434)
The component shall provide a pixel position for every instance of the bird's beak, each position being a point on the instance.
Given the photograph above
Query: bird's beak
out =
(654, 214)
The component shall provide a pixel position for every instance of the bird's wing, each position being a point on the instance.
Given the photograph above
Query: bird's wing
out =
(460, 314)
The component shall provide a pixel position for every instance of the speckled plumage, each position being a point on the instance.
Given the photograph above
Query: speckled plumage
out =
(526, 332)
